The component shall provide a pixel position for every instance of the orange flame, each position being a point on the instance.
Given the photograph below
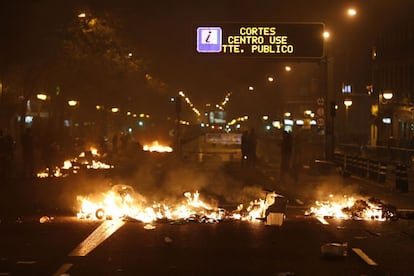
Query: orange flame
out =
(156, 146)
(347, 208)
(119, 203)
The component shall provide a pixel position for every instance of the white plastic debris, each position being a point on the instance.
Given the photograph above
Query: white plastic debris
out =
(275, 219)
(334, 249)
(149, 227)
(168, 240)
(45, 219)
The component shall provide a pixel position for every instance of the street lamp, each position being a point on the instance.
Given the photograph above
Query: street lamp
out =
(351, 12)
(42, 97)
(328, 119)
(99, 107)
(387, 95)
(385, 109)
(347, 103)
(73, 103)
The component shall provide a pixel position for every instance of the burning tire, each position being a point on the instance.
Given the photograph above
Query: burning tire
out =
(100, 213)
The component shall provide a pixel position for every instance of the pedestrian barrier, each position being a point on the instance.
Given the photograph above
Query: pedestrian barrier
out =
(382, 175)
(395, 176)
(401, 178)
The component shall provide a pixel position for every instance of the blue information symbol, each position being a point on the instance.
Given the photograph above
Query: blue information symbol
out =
(209, 39)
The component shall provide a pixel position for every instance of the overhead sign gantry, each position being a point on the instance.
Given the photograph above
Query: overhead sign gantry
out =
(275, 40)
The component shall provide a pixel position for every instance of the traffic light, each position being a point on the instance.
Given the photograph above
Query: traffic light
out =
(334, 107)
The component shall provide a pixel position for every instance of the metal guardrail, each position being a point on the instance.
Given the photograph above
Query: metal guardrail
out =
(394, 175)
(389, 154)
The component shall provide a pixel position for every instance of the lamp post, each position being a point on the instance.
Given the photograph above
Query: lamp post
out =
(327, 63)
(347, 103)
(384, 99)
(72, 104)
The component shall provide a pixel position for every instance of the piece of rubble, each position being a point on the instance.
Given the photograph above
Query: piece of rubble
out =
(334, 249)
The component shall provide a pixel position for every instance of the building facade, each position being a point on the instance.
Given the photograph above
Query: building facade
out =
(393, 86)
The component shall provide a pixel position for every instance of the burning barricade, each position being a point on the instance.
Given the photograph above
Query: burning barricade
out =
(352, 208)
(157, 147)
(122, 202)
(90, 159)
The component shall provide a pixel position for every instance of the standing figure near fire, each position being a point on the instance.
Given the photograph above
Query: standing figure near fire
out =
(251, 147)
(28, 153)
(244, 147)
(286, 154)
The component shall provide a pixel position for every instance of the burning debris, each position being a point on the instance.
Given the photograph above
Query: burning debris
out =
(90, 159)
(157, 147)
(121, 202)
(351, 208)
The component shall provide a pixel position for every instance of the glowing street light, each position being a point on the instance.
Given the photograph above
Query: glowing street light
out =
(351, 12)
(73, 103)
(326, 35)
(288, 68)
(114, 109)
(82, 15)
(347, 103)
(307, 112)
(42, 97)
(270, 79)
(387, 95)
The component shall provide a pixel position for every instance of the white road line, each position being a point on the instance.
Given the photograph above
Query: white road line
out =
(25, 262)
(298, 201)
(63, 269)
(322, 220)
(104, 231)
(364, 256)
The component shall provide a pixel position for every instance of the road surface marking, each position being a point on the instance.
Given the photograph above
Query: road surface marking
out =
(63, 269)
(364, 256)
(322, 220)
(298, 201)
(26, 262)
(104, 231)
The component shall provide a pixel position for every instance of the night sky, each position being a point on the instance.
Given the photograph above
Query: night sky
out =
(162, 34)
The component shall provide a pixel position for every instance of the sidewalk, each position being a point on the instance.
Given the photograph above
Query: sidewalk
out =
(313, 186)
(401, 200)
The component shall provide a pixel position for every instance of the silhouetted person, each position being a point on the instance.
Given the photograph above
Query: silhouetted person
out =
(286, 154)
(49, 149)
(2, 155)
(102, 144)
(251, 147)
(115, 143)
(244, 147)
(7, 152)
(125, 139)
(28, 153)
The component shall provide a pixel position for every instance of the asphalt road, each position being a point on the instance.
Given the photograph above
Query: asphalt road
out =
(66, 245)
